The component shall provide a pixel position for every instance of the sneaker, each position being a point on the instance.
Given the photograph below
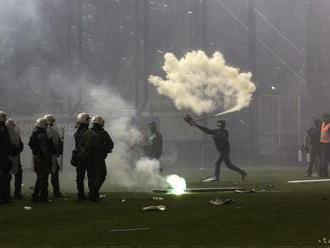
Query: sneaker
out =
(209, 179)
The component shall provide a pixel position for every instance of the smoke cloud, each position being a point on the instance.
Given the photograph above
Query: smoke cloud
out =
(29, 64)
(128, 168)
(203, 84)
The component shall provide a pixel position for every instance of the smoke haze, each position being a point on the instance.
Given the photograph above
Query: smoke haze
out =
(127, 166)
(203, 84)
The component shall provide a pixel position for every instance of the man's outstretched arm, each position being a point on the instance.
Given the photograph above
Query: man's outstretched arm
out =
(204, 129)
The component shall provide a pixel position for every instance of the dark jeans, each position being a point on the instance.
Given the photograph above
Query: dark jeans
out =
(5, 179)
(224, 157)
(56, 182)
(325, 148)
(42, 169)
(18, 181)
(315, 153)
(81, 170)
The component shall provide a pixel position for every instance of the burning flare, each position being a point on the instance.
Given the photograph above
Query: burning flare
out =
(177, 184)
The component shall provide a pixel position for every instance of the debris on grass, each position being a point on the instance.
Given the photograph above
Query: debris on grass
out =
(27, 208)
(130, 229)
(201, 190)
(103, 196)
(310, 180)
(154, 208)
(253, 190)
(123, 200)
(269, 186)
(157, 198)
(219, 202)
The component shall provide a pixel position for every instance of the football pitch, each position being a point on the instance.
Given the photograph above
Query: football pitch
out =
(278, 214)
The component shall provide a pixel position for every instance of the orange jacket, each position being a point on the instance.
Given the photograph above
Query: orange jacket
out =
(325, 135)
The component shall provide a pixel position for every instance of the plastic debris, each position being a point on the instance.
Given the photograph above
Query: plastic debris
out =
(310, 181)
(130, 229)
(154, 208)
(253, 190)
(103, 196)
(269, 186)
(123, 200)
(219, 202)
(158, 198)
(27, 208)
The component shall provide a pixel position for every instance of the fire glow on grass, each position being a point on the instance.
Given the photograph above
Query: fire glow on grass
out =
(177, 184)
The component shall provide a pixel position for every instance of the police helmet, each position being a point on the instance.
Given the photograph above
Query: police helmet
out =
(98, 120)
(10, 123)
(3, 116)
(50, 119)
(83, 118)
(42, 123)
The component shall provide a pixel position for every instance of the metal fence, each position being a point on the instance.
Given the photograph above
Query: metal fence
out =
(279, 123)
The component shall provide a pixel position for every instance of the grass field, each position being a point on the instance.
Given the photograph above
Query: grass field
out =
(297, 216)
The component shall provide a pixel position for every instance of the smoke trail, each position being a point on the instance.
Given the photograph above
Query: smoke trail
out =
(203, 84)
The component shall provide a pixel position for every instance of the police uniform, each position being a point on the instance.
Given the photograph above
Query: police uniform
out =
(54, 136)
(5, 165)
(81, 165)
(43, 150)
(96, 143)
(15, 160)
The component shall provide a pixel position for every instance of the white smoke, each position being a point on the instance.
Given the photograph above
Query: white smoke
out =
(127, 167)
(203, 84)
(16, 20)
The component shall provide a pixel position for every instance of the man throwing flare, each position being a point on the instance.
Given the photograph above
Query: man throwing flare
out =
(221, 140)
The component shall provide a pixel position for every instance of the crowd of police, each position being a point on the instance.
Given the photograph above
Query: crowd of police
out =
(317, 145)
(92, 145)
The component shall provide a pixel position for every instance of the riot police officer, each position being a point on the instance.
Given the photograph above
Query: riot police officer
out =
(16, 170)
(5, 164)
(54, 136)
(83, 120)
(96, 143)
(42, 151)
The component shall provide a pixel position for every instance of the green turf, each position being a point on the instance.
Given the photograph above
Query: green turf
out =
(292, 218)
